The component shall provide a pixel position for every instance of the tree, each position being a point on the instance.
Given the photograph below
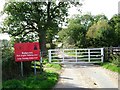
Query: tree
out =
(114, 22)
(74, 34)
(77, 33)
(100, 34)
(50, 35)
(87, 20)
(99, 17)
(88, 30)
(34, 17)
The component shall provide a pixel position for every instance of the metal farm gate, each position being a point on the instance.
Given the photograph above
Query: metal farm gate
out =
(89, 55)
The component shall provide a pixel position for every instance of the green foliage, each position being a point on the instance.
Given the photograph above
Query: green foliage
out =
(100, 34)
(52, 65)
(8, 64)
(44, 81)
(111, 67)
(87, 20)
(74, 35)
(91, 31)
(99, 17)
(65, 39)
(10, 68)
(45, 60)
(13, 84)
(114, 22)
(95, 31)
(35, 21)
(115, 60)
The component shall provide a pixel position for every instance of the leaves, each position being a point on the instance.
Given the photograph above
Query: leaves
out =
(32, 21)
(91, 31)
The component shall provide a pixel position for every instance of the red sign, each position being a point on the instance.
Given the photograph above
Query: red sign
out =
(27, 51)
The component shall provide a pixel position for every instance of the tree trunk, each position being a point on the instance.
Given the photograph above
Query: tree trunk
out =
(42, 41)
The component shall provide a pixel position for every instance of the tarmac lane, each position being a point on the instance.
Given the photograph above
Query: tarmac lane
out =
(85, 76)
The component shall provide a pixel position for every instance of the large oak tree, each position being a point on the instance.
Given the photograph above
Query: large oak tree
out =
(34, 18)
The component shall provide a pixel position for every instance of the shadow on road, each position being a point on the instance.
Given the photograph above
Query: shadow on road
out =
(69, 86)
(79, 65)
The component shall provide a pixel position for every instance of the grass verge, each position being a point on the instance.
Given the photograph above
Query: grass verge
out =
(44, 81)
(111, 67)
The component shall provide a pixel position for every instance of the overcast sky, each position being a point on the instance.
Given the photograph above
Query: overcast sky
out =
(107, 7)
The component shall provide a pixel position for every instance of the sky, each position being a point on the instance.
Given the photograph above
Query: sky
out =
(95, 7)
(4, 36)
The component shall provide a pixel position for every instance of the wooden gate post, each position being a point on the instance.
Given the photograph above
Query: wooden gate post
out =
(89, 55)
(49, 55)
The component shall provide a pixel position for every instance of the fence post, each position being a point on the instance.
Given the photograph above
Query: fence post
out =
(89, 55)
(102, 54)
(49, 55)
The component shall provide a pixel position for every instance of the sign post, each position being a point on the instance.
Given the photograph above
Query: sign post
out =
(22, 69)
(41, 66)
(27, 52)
(41, 69)
(34, 68)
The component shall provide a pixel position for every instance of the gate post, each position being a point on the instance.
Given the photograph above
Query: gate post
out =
(102, 54)
(76, 55)
(49, 55)
(89, 55)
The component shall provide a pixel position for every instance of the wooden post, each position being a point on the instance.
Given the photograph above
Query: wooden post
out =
(89, 55)
(34, 67)
(102, 54)
(76, 55)
(49, 55)
(22, 69)
(41, 67)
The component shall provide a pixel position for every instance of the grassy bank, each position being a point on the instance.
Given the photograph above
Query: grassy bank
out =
(44, 81)
(111, 67)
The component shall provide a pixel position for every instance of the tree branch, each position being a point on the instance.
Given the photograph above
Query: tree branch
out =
(31, 24)
(28, 32)
(52, 13)
(16, 34)
(48, 12)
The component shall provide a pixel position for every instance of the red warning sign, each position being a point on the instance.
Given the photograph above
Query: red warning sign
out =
(27, 51)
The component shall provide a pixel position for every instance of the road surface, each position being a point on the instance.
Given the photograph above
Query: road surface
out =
(86, 76)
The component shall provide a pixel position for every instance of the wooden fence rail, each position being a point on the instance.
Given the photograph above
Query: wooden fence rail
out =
(109, 51)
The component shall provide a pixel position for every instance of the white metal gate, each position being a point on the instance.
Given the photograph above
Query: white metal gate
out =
(89, 55)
